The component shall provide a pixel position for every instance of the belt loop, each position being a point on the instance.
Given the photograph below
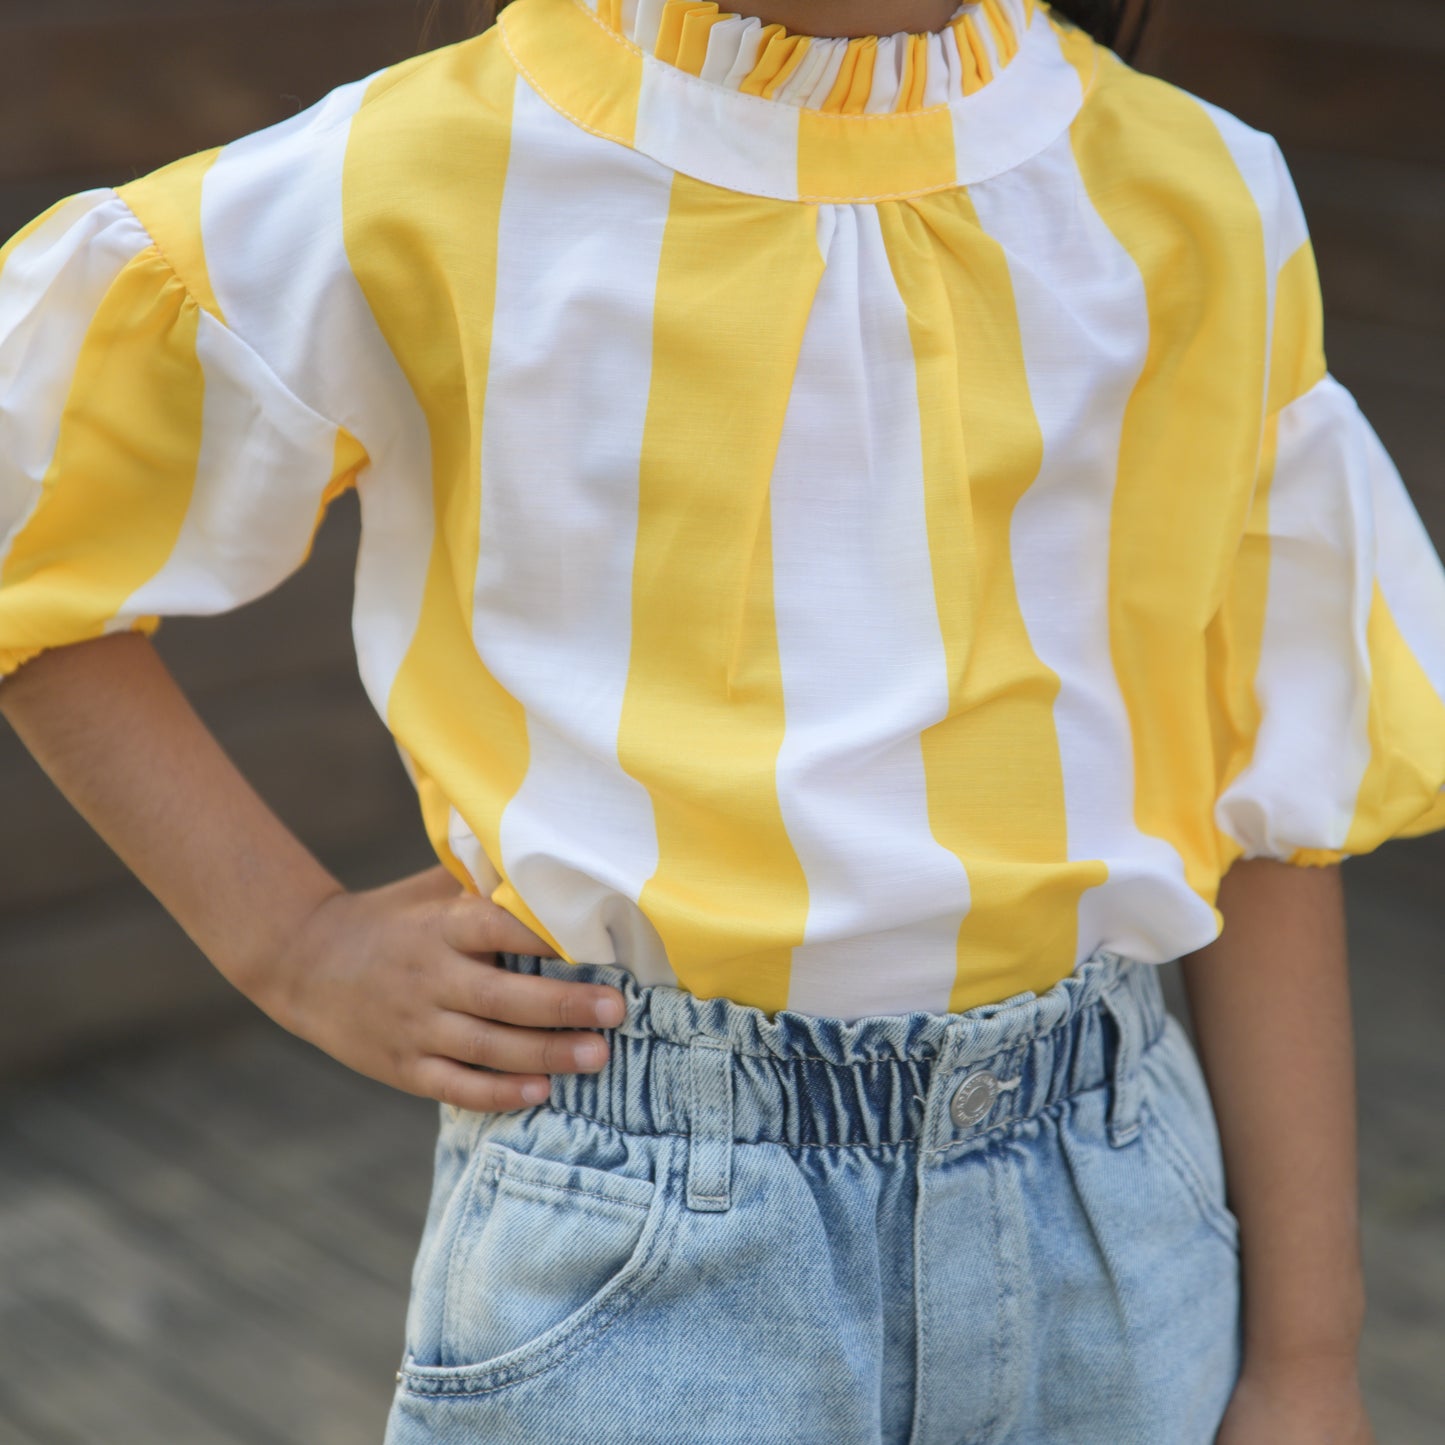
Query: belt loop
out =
(710, 1122)
(1123, 1007)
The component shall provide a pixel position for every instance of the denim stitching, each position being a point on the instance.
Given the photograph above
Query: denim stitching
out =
(523, 1181)
(647, 1268)
(737, 1143)
(1185, 1171)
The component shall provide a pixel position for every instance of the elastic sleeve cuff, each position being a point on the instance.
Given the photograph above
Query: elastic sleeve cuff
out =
(12, 658)
(1316, 857)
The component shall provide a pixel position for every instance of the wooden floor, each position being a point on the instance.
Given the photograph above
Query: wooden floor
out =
(209, 1242)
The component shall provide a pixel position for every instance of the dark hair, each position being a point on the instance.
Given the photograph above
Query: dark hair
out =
(1105, 21)
(1119, 24)
(442, 29)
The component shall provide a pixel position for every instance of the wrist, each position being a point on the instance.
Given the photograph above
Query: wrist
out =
(275, 983)
(1305, 1357)
(1305, 1313)
(1298, 1402)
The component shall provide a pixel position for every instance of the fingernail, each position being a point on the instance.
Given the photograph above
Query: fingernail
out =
(608, 1011)
(535, 1093)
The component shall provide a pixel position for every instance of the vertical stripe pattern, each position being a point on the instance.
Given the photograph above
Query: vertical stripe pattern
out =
(864, 667)
(992, 760)
(1083, 322)
(1193, 417)
(548, 598)
(704, 682)
(844, 546)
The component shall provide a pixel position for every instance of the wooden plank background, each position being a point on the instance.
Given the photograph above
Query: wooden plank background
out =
(207, 1225)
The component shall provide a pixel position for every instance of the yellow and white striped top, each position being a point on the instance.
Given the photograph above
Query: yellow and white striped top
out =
(851, 526)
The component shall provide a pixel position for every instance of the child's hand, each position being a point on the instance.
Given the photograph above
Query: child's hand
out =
(401, 983)
(1303, 1404)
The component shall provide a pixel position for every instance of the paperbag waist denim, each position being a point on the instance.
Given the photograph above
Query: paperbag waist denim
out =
(986, 1228)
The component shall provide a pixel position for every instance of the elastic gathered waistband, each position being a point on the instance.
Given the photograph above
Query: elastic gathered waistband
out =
(682, 1064)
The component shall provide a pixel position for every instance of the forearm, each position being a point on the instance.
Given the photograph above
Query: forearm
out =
(1271, 1010)
(108, 724)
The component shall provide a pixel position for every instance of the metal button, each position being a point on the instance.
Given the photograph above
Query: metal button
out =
(974, 1098)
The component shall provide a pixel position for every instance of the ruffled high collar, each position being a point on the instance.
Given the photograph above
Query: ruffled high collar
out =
(751, 107)
(863, 74)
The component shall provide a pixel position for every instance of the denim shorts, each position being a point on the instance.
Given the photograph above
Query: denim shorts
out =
(993, 1227)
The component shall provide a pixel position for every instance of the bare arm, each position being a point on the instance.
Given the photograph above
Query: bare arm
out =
(397, 982)
(1271, 1008)
(110, 727)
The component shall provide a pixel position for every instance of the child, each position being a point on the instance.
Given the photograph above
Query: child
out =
(858, 537)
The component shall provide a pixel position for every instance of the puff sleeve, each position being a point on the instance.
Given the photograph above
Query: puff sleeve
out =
(151, 463)
(1330, 643)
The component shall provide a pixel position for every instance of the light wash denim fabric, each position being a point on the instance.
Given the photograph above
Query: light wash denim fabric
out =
(1000, 1227)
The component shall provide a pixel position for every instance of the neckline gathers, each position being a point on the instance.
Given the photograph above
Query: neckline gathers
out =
(849, 75)
(759, 109)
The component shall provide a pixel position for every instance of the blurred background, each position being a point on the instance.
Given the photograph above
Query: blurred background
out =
(207, 1225)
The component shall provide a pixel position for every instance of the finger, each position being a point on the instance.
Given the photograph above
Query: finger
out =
(492, 1045)
(476, 1090)
(472, 924)
(489, 991)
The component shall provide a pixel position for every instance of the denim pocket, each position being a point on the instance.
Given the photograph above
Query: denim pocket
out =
(534, 1257)
(1180, 1130)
